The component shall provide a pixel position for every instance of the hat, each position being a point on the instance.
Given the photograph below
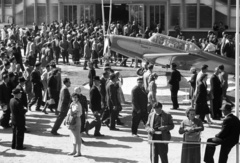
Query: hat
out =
(16, 91)
(21, 79)
(38, 64)
(96, 78)
(227, 107)
(204, 66)
(193, 69)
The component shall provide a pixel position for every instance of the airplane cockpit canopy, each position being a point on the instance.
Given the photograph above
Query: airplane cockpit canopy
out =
(174, 43)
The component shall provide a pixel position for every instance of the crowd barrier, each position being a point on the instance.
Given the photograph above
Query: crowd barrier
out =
(183, 142)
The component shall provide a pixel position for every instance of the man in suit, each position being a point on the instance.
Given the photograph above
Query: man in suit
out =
(158, 126)
(216, 95)
(37, 87)
(5, 96)
(113, 102)
(63, 105)
(95, 105)
(139, 104)
(174, 80)
(228, 137)
(18, 120)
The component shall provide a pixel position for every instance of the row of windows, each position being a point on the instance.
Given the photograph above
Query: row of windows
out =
(190, 13)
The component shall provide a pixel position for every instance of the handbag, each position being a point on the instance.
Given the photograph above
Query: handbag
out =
(70, 119)
(192, 137)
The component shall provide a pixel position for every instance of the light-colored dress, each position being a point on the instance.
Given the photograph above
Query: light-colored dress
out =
(191, 153)
(76, 108)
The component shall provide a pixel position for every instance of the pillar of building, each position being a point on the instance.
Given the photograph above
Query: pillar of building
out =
(35, 11)
(59, 11)
(3, 10)
(182, 14)
(24, 13)
(13, 11)
(213, 11)
(229, 13)
(47, 12)
(198, 14)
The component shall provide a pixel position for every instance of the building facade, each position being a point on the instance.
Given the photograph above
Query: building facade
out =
(190, 15)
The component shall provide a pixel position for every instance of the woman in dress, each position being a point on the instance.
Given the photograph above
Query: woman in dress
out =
(191, 126)
(152, 94)
(76, 110)
(201, 105)
(192, 82)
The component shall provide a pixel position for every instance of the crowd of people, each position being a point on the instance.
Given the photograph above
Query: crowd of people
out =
(37, 81)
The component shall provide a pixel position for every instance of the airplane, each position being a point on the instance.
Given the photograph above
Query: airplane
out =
(164, 50)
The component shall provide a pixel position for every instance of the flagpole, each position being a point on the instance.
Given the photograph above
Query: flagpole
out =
(237, 72)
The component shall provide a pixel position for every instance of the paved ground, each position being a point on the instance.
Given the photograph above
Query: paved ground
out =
(115, 147)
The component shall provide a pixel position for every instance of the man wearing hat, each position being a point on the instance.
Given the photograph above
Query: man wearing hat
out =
(228, 137)
(139, 104)
(146, 76)
(37, 87)
(174, 80)
(95, 105)
(18, 120)
(5, 96)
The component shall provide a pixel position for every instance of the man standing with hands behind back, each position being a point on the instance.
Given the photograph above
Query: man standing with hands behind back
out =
(174, 80)
(18, 120)
(158, 126)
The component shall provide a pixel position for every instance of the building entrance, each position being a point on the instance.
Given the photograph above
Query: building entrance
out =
(119, 12)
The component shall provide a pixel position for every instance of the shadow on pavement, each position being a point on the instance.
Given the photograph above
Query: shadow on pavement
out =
(7, 154)
(124, 139)
(104, 144)
(107, 159)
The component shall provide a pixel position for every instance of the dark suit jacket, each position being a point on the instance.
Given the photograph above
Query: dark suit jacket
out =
(23, 98)
(91, 75)
(166, 121)
(174, 80)
(201, 96)
(5, 94)
(215, 88)
(64, 100)
(95, 99)
(103, 82)
(230, 130)
(18, 112)
(52, 87)
(112, 95)
(139, 99)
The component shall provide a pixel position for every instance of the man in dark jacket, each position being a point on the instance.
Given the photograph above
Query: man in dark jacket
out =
(20, 86)
(139, 103)
(95, 105)
(113, 102)
(174, 80)
(5, 96)
(37, 87)
(18, 120)
(228, 137)
(63, 105)
(216, 95)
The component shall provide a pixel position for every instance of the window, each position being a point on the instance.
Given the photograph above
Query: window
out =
(205, 16)
(30, 15)
(175, 15)
(41, 9)
(191, 16)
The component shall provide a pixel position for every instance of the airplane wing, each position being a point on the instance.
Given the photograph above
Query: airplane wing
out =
(157, 55)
